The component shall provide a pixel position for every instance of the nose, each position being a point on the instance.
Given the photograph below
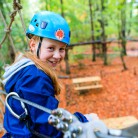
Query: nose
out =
(57, 54)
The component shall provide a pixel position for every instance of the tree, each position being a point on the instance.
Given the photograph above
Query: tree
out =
(92, 31)
(123, 26)
(103, 35)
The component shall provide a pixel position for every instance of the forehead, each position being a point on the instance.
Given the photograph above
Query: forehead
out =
(53, 42)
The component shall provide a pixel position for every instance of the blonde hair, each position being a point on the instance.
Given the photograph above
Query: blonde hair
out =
(48, 70)
(43, 66)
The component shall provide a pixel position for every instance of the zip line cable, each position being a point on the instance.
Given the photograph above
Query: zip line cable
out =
(29, 103)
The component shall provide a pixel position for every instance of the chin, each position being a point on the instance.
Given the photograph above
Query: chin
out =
(54, 68)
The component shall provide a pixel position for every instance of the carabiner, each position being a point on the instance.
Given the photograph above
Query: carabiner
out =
(22, 104)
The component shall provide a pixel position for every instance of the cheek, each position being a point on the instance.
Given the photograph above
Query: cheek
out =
(45, 55)
(63, 55)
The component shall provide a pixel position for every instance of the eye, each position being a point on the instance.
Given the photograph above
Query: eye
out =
(62, 49)
(51, 48)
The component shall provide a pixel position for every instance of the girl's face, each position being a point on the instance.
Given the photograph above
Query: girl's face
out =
(51, 51)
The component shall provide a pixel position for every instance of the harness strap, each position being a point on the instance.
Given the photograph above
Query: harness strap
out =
(25, 118)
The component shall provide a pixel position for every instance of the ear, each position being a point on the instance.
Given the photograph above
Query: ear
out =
(32, 45)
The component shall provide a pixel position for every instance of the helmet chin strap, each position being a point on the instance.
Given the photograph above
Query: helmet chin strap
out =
(39, 46)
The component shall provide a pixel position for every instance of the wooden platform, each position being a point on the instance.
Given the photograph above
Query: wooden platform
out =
(120, 122)
(86, 83)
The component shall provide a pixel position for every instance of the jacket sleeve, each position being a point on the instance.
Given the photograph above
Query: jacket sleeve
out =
(81, 117)
(39, 89)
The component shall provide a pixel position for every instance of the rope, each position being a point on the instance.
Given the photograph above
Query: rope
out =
(7, 30)
(17, 7)
(7, 34)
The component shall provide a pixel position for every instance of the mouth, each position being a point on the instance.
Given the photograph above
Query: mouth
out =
(53, 63)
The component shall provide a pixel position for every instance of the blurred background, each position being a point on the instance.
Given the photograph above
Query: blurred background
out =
(104, 37)
(100, 21)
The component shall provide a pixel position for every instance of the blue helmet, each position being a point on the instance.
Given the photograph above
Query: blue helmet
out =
(49, 25)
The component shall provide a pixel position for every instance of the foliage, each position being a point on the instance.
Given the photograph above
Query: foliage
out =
(75, 54)
(77, 13)
(116, 49)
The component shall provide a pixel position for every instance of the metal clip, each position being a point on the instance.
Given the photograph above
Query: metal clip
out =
(22, 104)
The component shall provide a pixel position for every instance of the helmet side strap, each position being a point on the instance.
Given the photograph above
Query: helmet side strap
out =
(39, 46)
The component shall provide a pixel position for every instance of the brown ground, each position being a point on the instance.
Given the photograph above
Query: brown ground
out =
(119, 96)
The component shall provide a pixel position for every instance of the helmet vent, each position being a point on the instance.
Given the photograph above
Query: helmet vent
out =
(37, 24)
(35, 20)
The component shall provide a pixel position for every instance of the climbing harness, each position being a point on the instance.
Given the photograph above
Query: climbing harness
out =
(24, 116)
(71, 127)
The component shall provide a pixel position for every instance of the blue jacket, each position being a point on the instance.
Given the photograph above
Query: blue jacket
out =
(34, 85)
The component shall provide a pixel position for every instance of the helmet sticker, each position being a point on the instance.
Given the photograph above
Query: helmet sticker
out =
(59, 34)
(43, 25)
(31, 28)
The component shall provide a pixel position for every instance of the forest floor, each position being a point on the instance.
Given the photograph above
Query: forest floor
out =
(119, 96)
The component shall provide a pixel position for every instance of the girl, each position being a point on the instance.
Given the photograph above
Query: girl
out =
(33, 78)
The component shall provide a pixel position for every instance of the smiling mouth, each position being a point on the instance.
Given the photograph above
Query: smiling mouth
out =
(53, 63)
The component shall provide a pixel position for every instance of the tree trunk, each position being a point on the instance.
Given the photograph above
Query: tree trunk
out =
(67, 62)
(66, 55)
(122, 59)
(123, 27)
(102, 23)
(92, 32)
(122, 35)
